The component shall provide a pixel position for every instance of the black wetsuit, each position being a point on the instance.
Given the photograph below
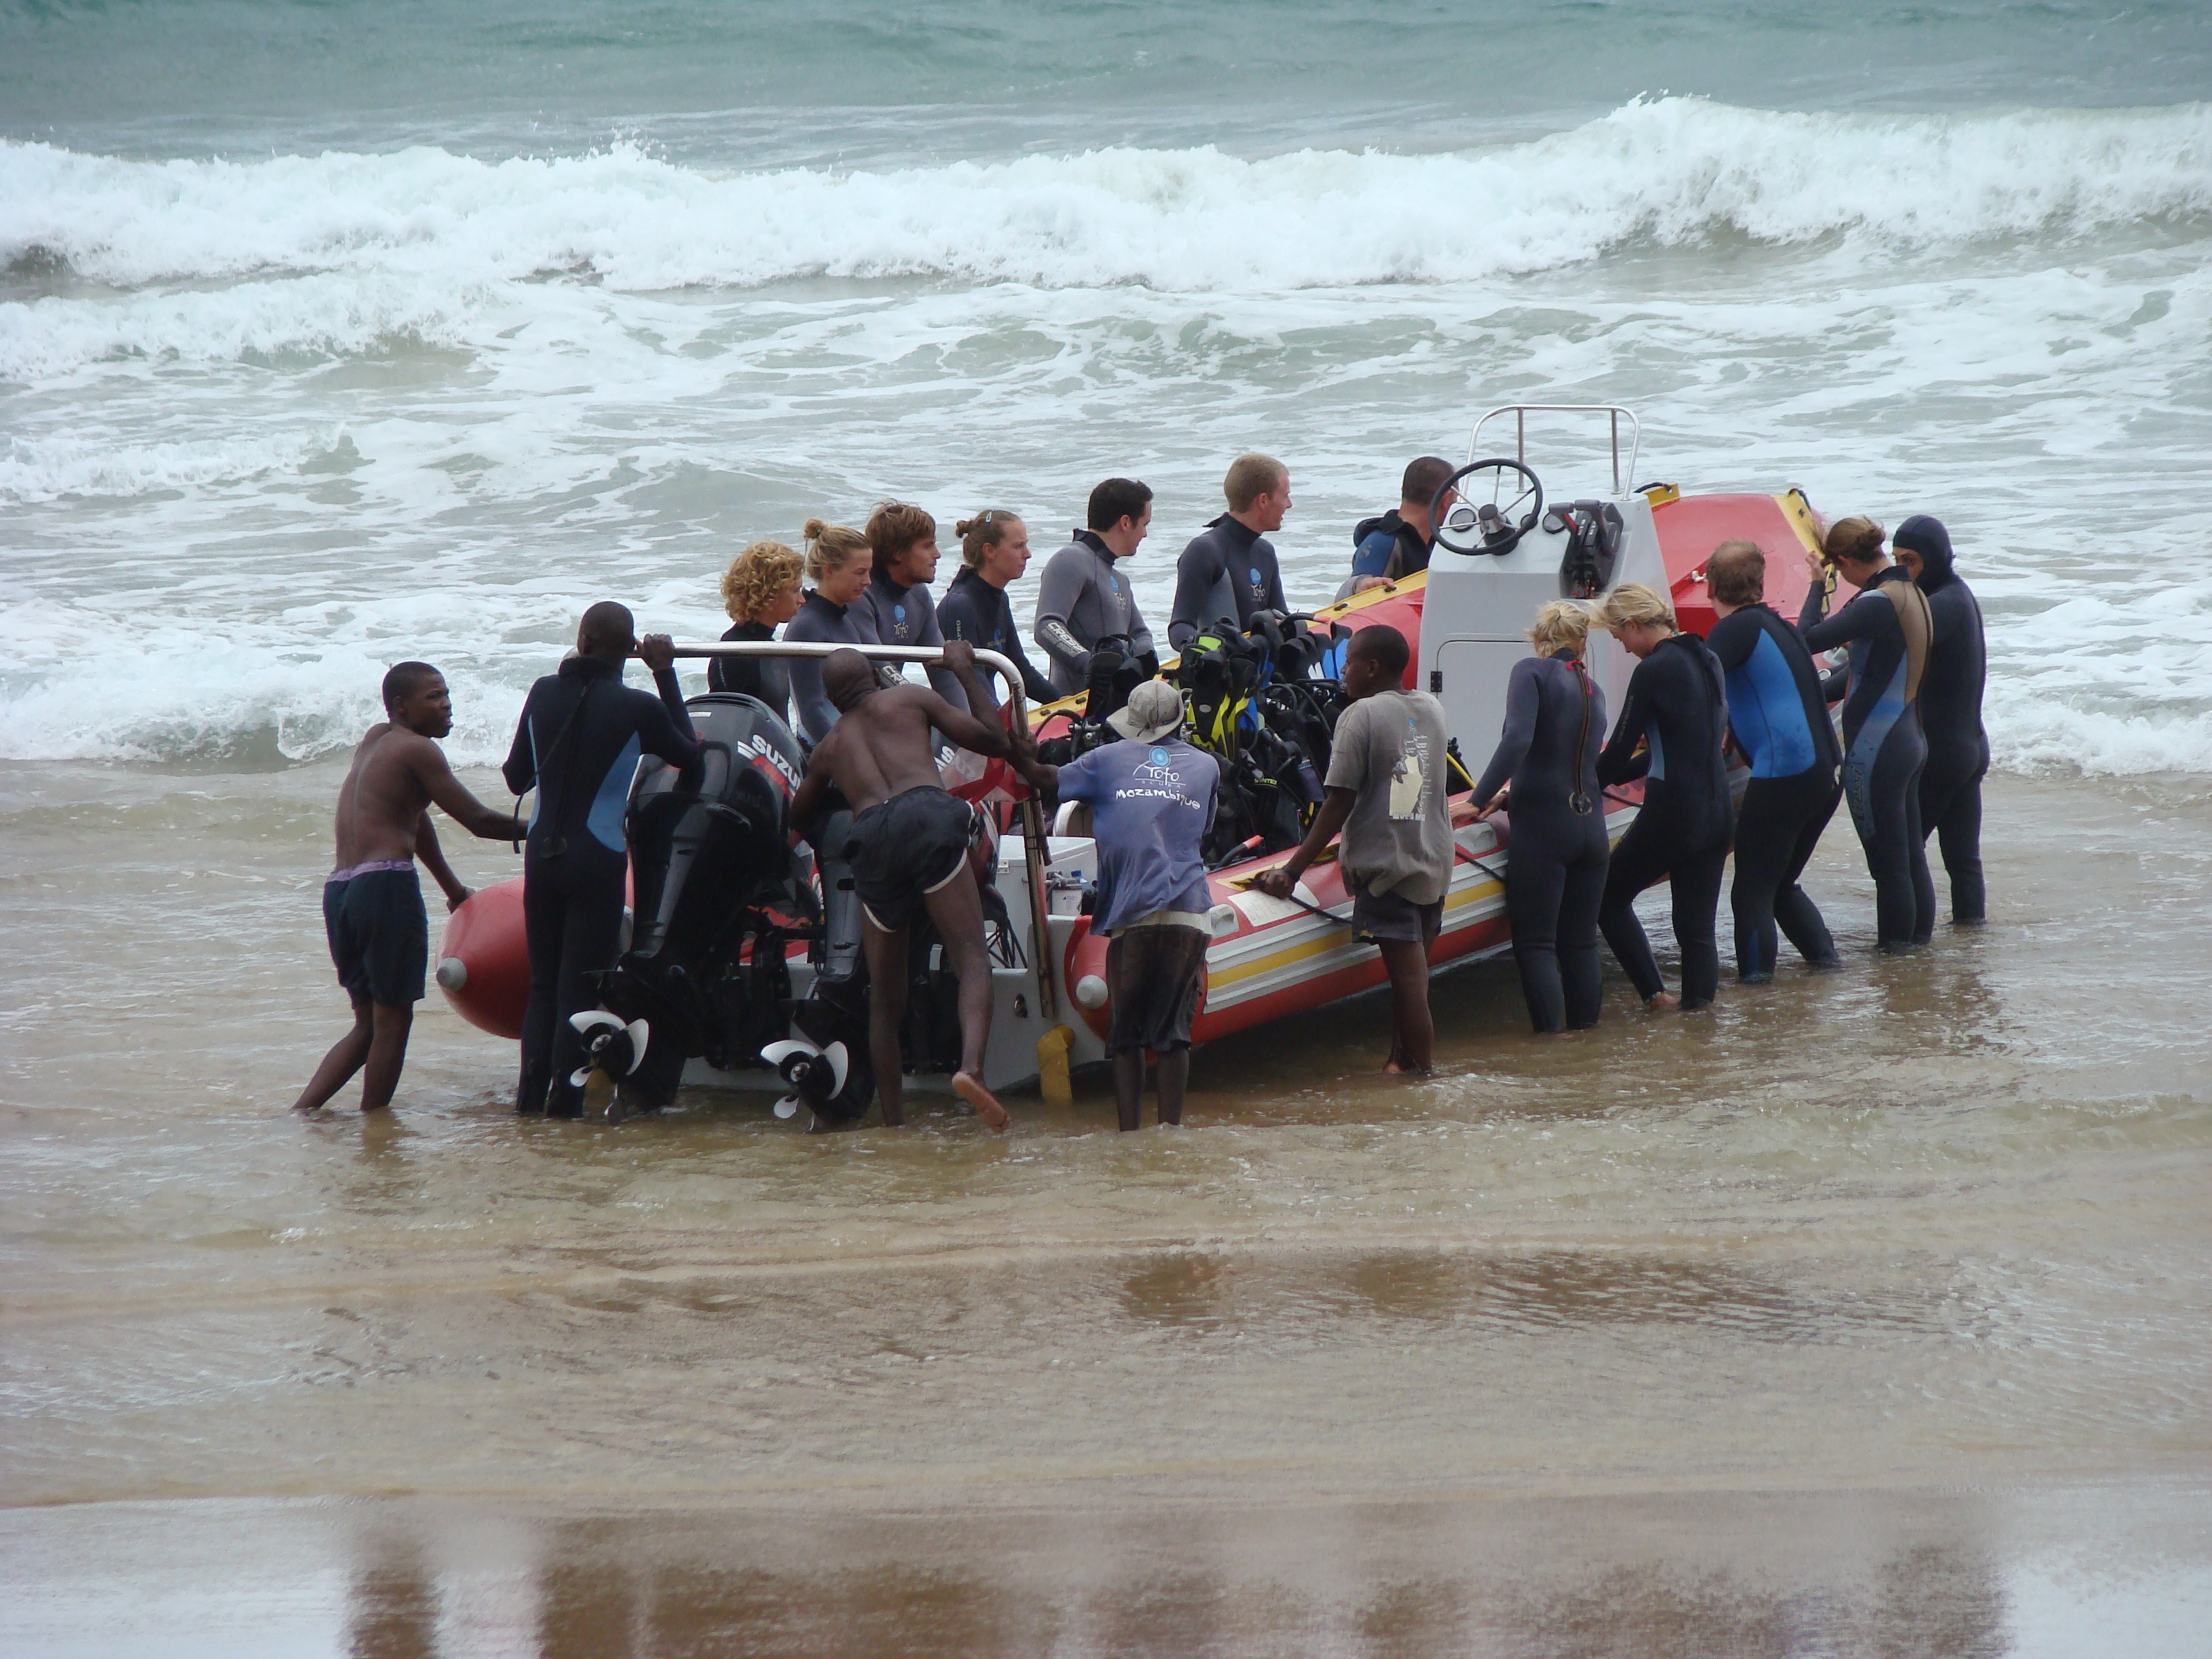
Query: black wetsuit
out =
(977, 611)
(767, 679)
(1780, 718)
(1556, 853)
(1951, 719)
(1887, 629)
(1676, 708)
(1228, 570)
(579, 740)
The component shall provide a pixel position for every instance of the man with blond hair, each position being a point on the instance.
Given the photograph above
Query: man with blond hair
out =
(1229, 571)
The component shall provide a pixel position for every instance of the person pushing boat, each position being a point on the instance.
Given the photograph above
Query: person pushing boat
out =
(910, 842)
(372, 914)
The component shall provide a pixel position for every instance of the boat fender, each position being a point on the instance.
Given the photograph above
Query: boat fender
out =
(1091, 991)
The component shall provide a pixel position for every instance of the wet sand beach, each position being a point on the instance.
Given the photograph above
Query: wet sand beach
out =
(1867, 1314)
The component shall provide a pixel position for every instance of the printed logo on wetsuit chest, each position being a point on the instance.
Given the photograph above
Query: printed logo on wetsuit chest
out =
(1258, 586)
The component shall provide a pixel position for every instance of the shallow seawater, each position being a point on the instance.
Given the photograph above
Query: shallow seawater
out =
(1871, 1303)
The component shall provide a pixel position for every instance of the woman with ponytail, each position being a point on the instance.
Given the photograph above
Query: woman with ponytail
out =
(994, 551)
(839, 563)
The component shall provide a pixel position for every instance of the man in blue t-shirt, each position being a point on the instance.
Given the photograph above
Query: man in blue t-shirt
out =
(1152, 799)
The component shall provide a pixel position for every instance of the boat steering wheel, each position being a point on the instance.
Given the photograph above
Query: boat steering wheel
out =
(1471, 527)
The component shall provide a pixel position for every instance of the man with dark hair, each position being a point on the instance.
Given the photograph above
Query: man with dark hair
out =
(909, 846)
(1229, 570)
(903, 539)
(1399, 543)
(372, 914)
(1385, 791)
(579, 740)
(1082, 599)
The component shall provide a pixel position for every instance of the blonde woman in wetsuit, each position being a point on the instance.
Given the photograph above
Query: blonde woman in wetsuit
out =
(1546, 758)
(839, 564)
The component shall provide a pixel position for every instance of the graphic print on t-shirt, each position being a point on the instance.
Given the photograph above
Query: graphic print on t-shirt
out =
(1409, 778)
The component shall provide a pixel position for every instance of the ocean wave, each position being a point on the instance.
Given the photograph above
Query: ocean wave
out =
(1662, 172)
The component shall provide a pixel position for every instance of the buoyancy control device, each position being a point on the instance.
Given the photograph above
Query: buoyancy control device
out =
(1261, 703)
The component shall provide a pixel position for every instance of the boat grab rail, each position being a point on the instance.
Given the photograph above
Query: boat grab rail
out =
(1519, 412)
(992, 660)
(1036, 854)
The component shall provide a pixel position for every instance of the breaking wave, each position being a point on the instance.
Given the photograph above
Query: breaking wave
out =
(1665, 171)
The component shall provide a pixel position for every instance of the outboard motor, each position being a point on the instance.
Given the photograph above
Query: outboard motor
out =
(717, 898)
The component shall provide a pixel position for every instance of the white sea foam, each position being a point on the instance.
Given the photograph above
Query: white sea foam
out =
(1670, 171)
(330, 411)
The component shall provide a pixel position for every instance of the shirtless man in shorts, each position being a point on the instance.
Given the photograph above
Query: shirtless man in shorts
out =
(372, 912)
(910, 844)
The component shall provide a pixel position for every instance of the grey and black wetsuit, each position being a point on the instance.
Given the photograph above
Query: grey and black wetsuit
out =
(580, 738)
(1556, 853)
(1676, 709)
(823, 623)
(767, 679)
(1780, 718)
(1951, 719)
(978, 612)
(1082, 599)
(908, 616)
(1886, 629)
(1229, 570)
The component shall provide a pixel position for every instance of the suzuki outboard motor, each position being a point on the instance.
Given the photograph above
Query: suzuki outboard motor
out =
(717, 898)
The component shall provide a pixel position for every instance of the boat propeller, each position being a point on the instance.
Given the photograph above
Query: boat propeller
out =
(610, 1046)
(817, 1075)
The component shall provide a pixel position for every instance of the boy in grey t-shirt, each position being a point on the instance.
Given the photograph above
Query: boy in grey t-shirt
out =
(1385, 791)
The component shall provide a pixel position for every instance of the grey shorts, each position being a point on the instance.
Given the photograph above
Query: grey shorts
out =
(1153, 978)
(1386, 915)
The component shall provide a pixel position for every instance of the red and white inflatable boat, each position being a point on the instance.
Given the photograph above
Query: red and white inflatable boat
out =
(1270, 958)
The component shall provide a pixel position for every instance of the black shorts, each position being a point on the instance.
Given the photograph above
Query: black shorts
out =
(379, 935)
(1386, 915)
(1153, 978)
(906, 847)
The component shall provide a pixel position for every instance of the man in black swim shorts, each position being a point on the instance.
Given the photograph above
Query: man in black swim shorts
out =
(910, 845)
(906, 848)
(379, 936)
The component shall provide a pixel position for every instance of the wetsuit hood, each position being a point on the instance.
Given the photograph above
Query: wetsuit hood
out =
(1416, 544)
(586, 668)
(1927, 537)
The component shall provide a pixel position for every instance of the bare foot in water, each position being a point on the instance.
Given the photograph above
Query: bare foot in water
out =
(1664, 1001)
(985, 1103)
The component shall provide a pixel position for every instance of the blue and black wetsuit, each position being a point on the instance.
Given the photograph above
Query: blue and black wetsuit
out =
(1951, 718)
(1676, 709)
(1228, 570)
(1780, 718)
(1556, 854)
(820, 622)
(977, 613)
(579, 740)
(1887, 629)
